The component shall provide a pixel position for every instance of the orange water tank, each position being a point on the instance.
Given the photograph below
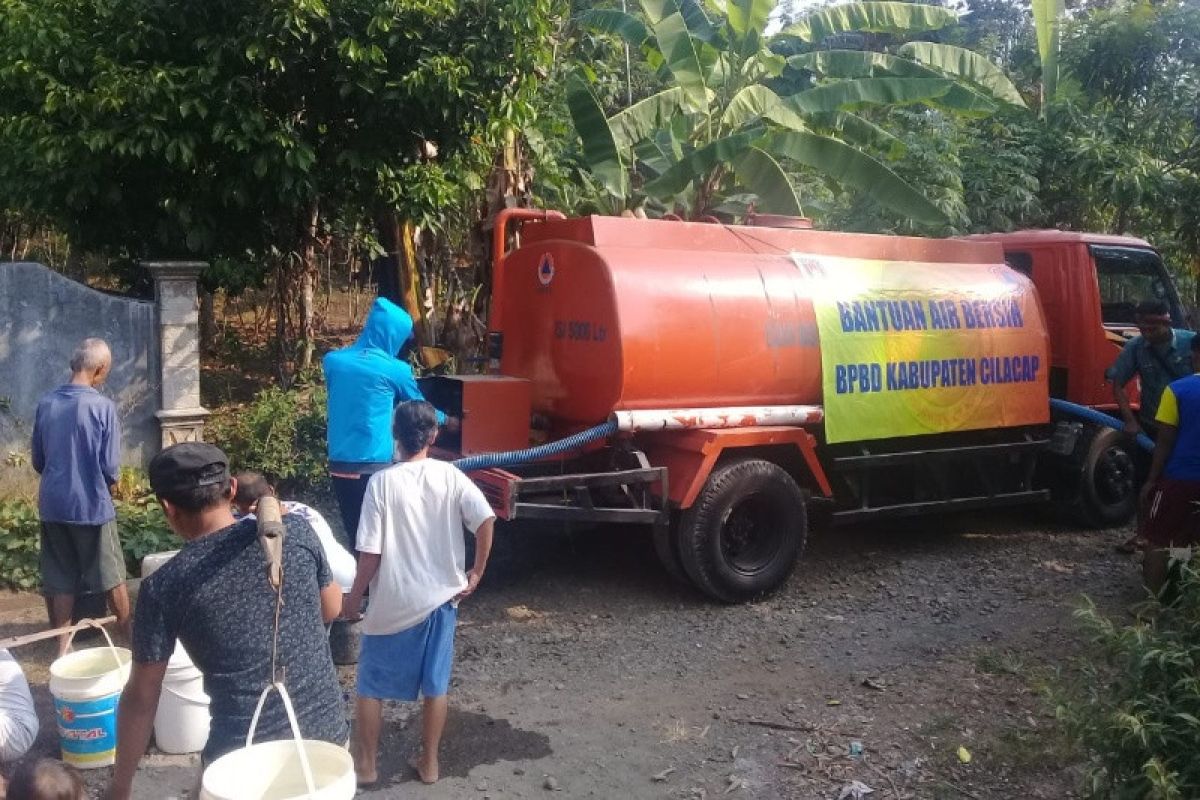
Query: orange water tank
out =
(609, 313)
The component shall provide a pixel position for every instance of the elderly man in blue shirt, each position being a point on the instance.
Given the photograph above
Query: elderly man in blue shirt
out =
(1159, 355)
(77, 451)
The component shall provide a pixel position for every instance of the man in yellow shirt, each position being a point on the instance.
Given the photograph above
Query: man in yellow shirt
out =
(1171, 496)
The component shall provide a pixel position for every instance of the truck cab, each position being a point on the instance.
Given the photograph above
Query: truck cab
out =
(1089, 285)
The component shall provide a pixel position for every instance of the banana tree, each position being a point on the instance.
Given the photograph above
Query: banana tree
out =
(719, 128)
(1047, 20)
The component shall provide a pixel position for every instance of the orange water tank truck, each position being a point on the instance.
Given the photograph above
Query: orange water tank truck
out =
(734, 382)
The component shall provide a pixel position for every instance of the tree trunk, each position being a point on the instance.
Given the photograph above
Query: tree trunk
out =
(208, 321)
(385, 269)
(396, 272)
(308, 280)
(282, 356)
(410, 280)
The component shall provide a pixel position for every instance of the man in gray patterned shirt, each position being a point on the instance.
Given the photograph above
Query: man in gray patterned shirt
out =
(214, 597)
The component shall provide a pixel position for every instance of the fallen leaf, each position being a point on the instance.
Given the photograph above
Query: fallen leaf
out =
(522, 613)
(736, 783)
(964, 755)
(855, 790)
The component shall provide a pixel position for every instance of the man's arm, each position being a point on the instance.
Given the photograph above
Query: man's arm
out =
(1163, 445)
(110, 448)
(407, 389)
(1132, 426)
(1168, 431)
(483, 549)
(135, 721)
(368, 567)
(331, 602)
(1120, 374)
(37, 449)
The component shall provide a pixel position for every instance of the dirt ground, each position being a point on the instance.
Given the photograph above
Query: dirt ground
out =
(584, 672)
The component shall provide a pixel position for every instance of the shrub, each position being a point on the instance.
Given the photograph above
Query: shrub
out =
(19, 544)
(140, 522)
(1137, 711)
(281, 433)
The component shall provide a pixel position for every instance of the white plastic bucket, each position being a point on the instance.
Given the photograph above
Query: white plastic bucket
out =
(151, 562)
(272, 771)
(86, 686)
(281, 770)
(182, 719)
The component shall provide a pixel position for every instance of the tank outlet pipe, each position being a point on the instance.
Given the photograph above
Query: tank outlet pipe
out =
(735, 417)
(500, 228)
(1098, 417)
(512, 458)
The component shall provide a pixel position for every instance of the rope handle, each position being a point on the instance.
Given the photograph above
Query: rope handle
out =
(91, 623)
(291, 715)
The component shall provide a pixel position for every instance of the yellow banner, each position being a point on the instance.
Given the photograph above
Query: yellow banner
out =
(911, 348)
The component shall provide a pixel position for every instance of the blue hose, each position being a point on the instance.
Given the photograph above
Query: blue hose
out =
(1100, 418)
(514, 457)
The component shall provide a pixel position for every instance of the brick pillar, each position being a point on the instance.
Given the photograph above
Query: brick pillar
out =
(180, 415)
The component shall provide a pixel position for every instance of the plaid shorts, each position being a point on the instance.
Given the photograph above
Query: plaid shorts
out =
(81, 559)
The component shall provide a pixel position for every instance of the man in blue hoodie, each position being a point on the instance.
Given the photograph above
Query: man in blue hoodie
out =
(366, 381)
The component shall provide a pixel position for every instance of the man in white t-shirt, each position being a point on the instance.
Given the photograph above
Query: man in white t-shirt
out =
(412, 554)
(251, 486)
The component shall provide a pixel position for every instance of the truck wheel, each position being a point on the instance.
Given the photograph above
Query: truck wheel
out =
(666, 547)
(1107, 493)
(743, 534)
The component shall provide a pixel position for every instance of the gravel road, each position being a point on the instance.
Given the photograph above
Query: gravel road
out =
(893, 653)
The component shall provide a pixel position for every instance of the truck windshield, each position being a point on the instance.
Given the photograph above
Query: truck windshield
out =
(1127, 276)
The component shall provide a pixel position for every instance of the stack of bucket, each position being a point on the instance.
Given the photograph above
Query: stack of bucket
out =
(182, 720)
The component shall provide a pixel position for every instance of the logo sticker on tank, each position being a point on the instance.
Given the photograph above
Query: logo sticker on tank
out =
(545, 270)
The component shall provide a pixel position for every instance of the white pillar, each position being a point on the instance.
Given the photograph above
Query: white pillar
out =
(180, 415)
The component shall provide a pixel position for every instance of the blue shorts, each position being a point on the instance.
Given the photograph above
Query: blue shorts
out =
(411, 662)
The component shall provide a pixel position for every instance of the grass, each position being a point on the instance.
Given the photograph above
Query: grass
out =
(1005, 662)
(1034, 749)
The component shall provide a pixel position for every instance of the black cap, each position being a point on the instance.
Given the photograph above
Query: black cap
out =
(187, 466)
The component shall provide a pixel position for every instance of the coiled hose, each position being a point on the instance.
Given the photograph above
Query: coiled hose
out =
(1100, 418)
(513, 457)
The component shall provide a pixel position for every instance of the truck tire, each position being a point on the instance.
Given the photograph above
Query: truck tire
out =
(743, 535)
(666, 547)
(1107, 489)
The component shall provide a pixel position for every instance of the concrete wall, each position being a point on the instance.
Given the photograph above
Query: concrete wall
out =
(43, 318)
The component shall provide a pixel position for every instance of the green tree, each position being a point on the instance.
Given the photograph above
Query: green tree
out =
(1123, 144)
(246, 132)
(736, 114)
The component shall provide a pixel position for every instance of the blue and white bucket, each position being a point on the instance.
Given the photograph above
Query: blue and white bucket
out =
(86, 686)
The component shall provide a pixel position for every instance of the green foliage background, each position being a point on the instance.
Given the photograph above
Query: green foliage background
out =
(1136, 711)
(140, 525)
(281, 433)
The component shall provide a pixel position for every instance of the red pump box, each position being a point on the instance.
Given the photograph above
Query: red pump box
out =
(494, 410)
